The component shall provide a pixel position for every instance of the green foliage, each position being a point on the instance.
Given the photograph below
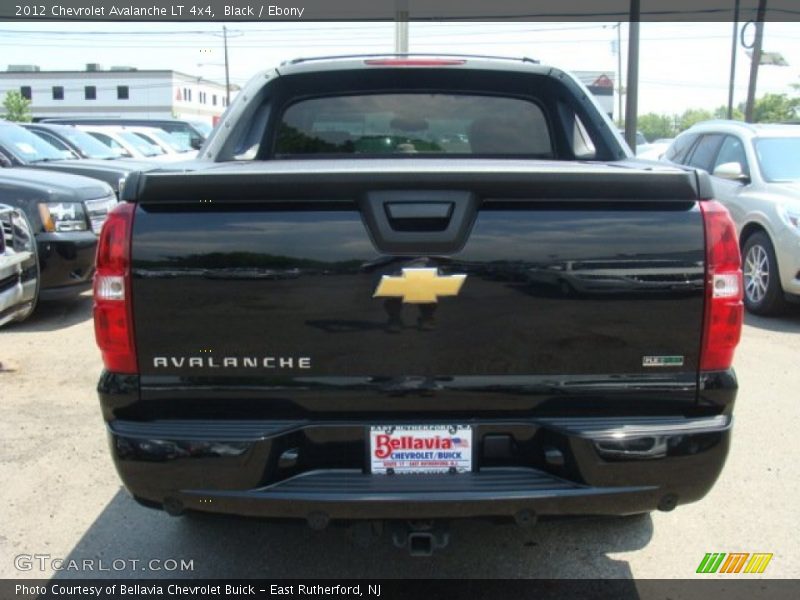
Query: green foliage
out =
(692, 116)
(775, 108)
(770, 108)
(17, 108)
(722, 113)
(655, 126)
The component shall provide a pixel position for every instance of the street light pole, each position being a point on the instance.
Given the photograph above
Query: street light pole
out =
(632, 93)
(227, 76)
(755, 59)
(401, 27)
(734, 42)
(619, 71)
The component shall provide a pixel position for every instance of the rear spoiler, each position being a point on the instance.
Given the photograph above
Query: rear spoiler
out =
(339, 180)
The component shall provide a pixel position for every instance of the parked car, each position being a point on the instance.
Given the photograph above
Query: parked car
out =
(19, 266)
(347, 333)
(126, 143)
(20, 147)
(173, 147)
(641, 141)
(756, 174)
(66, 212)
(72, 139)
(654, 151)
(192, 132)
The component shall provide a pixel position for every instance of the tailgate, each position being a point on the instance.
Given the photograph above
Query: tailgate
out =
(314, 279)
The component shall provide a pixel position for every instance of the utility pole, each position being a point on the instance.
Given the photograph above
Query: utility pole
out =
(755, 59)
(632, 93)
(401, 27)
(619, 70)
(227, 76)
(734, 42)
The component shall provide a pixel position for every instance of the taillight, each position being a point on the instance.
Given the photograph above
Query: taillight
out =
(113, 317)
(724, 311)
(414, 62)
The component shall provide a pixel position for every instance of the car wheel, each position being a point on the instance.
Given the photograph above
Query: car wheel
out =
(763, 294)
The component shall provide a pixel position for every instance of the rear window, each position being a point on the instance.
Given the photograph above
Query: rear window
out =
(441, 124)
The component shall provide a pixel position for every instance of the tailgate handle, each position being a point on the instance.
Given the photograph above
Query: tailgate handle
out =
(419, 221)
(419, 210)
(419, 216)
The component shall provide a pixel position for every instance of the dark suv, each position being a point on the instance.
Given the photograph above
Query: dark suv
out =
(66, 213)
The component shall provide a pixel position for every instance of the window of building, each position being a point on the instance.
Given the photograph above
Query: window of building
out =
(26, 92)
(58, 92)
(214, 99)
(190, 95)
(123, 92)
(90, 92)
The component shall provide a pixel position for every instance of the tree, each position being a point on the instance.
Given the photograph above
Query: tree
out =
(692, 116)
(722, 113)
(18, 108)
(655, 126)
(775, 108)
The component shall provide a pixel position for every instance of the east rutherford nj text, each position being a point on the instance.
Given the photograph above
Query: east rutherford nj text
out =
(322, 590)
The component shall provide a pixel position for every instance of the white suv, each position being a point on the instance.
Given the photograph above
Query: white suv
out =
(756, 174)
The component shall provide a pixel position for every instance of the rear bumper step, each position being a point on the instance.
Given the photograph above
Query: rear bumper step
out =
(348, 495)
(297, 469)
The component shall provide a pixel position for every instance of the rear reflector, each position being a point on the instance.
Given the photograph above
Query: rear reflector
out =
(724, 310)
(113, 317)
(414, 62)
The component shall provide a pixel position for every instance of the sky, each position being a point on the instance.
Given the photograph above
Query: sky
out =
(682, 65)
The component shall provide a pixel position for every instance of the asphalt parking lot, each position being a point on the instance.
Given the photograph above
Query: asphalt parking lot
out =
(61, 497)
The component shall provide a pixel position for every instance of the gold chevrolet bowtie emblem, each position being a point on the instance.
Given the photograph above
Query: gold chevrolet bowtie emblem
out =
(419, 286)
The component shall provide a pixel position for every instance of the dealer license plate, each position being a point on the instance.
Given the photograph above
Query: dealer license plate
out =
(406, 449)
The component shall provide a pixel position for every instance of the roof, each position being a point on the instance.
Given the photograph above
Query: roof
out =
(120, 74)
(457, 61)
(753, 129)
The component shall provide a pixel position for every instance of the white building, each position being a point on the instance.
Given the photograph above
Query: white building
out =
(117, 92)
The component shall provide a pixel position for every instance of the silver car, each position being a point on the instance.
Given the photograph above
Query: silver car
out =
(756, 174)
(19, 267)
